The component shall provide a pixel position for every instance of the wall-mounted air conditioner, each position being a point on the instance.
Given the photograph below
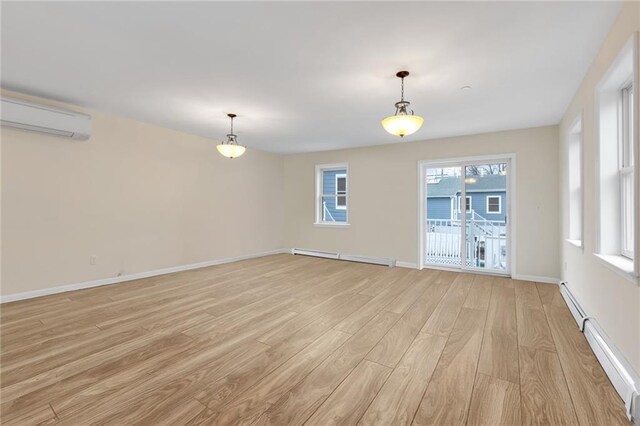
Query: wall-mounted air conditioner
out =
(44, 119)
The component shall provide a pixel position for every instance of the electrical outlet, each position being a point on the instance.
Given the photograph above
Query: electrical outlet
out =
(93, 259)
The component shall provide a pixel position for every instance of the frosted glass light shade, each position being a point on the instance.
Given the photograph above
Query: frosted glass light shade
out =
(402, 125)
(231, 150)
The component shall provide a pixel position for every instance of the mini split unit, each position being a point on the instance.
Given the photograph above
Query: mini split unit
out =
(23, 115)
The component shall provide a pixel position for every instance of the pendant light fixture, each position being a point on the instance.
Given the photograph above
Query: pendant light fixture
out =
(402, 123)
(230, 147)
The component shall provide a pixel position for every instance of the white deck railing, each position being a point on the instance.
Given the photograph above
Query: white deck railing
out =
(485, 245)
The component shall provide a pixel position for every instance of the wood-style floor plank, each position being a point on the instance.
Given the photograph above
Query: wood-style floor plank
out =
(349, 401)
(533, 329)
(442, 320)
(543, 389)
(292, 339)
(494, 402)
(499, 354)
(394, 344)
(249, 405)
(398, 400)
(447, 398)
(299, 403)
(594, 398)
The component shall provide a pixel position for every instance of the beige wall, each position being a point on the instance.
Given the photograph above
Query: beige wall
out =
(138, 196)
(383, 205)
(613, 300)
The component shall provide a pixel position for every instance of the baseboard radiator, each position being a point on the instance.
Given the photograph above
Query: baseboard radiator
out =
(348, 257)
(624, 378)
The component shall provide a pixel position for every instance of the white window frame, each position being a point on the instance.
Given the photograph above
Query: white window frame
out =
(626, 166)
(510, 211)
(575, 178)
(609, 220)
(499, 204)
(468, 197)
(320, 169)
(338, 194)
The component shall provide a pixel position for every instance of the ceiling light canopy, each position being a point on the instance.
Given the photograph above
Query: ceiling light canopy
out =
(230, 147)
(402, 123)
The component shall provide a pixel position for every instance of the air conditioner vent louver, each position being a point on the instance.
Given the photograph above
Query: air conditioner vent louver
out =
(23, 115)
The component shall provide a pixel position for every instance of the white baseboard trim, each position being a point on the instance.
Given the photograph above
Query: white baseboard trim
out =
(536, 278)
(113, 280)
(624, 378)
(410, 265)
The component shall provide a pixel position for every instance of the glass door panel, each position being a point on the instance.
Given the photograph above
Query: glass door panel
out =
(485, 217)
(443, 243)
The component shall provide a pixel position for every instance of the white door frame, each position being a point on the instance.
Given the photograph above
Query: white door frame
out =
(510, 211)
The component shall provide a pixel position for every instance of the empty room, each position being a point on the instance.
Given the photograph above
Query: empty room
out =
(319, 213)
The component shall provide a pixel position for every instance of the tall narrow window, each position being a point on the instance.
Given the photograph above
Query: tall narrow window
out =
(626, 172)
(575, 183)
(616, 103)
(467, 204)
(332, 194)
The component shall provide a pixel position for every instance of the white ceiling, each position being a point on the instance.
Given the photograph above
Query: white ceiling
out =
(307, 76)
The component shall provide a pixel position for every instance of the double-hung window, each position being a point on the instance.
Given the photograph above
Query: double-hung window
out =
(616, 108)
(494, 204)
(626, 171)
(332, 194)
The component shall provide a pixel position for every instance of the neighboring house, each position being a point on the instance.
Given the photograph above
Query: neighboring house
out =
(334, 182)
(486, 196)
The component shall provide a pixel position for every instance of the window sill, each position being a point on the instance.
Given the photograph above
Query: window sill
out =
(331, 225)
(577, 243)
(619, 264)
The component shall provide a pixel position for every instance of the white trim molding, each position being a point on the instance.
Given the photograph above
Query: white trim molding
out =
(536, 278)
(409, 265)
(114, 280)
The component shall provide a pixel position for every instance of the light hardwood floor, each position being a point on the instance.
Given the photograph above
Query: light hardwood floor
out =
(291, 340)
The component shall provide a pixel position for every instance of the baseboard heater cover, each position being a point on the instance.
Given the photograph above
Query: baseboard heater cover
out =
(364, 259)
(624, 378)
(348, 257)
(315, 253)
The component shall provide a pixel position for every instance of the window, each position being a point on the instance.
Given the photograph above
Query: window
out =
(575, 183)
(494, 204)
(341, 190)
(626, 171)
(468, 204)
(332, 194)
(617, 155)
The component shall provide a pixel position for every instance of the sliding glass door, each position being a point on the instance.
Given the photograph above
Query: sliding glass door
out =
(465, 215)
